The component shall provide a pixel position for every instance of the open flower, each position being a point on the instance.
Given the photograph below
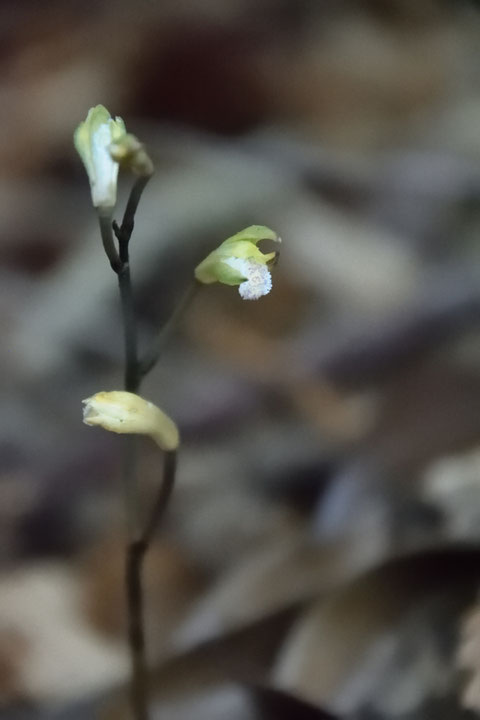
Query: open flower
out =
(238, 261)
(127, 413)
(92, 139)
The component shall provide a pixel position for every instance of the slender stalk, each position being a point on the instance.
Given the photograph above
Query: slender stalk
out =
(163, 497)
(136, 552)
(152, 356)
(124, 232)
(136, 549)
(105, 222)
(132, 377)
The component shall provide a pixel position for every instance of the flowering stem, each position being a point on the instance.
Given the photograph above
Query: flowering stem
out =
(132, 377)
(136, 549)
(123, 234)
(139, 540)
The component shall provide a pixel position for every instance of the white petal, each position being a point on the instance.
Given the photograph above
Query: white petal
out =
(104, 182)
(259, 281)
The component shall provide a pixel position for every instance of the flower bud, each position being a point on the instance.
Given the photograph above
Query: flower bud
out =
(125, 412)
(238, 261)
(131, 154)
(92, 139)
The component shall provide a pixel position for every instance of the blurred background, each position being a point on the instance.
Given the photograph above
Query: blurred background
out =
(320, 558)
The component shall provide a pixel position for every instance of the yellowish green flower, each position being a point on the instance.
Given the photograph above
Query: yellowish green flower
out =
(238, 261)
(92, 139)
(127, 413)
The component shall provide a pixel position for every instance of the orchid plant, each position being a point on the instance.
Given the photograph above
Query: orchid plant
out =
(104, 146)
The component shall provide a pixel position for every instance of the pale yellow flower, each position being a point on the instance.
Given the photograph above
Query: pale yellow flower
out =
(127, 413)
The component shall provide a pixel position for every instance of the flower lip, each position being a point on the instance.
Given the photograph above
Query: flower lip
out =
(99, 411)
(238, 261)
(258, 280)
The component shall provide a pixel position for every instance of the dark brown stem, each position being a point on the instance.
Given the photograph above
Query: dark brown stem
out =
(124, 232)
(105, 222)
(136, 548)
(163, 497)
(136, 552)
(136, 635)
(132, 376)
(139, 541)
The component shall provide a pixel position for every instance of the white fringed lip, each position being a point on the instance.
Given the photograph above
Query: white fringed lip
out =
(258, 278)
